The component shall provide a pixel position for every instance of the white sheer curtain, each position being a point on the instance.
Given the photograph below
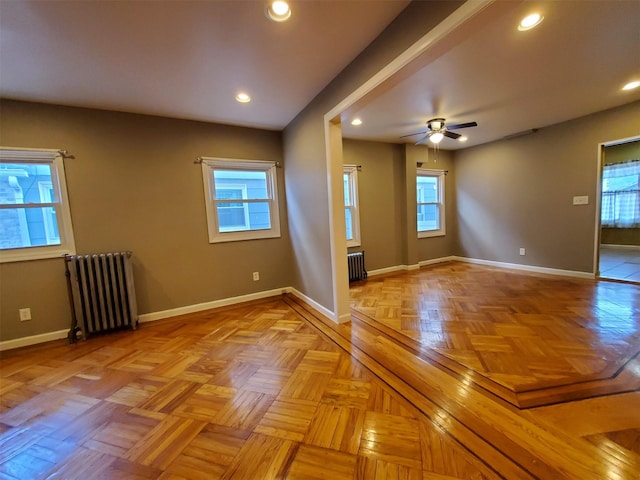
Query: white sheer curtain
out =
(621, 195)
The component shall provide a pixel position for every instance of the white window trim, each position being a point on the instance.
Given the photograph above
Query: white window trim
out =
(44, 188)
(440, 175)
(63, 212)
(209, 164)
(352, 171)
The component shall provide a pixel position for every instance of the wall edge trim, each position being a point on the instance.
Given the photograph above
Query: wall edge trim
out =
(33, 340)
(198, 307)
(527, 268)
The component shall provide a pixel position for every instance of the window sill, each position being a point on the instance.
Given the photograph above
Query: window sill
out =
(435, 233)
(34, 253)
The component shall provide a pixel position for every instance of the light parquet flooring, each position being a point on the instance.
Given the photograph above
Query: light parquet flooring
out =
(271, 389)
(531, 339)
(253, 392)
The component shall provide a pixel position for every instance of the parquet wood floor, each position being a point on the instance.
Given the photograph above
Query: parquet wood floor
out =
(272, 389)
(531, 339)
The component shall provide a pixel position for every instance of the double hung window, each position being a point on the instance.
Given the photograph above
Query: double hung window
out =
(241, 199)
(351, 210)
(35, 221)
(430, 202)
(621, 195)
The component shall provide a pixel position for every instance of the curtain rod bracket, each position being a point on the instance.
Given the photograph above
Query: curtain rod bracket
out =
(65, 154)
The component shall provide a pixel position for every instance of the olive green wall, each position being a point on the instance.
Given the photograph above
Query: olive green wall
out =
(134, 186)
(617, 154)
(518, 193)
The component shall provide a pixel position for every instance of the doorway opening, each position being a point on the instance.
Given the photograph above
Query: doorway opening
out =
(619, 218)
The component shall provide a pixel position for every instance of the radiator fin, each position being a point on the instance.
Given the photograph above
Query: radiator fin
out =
(356, 266)
(102, 292)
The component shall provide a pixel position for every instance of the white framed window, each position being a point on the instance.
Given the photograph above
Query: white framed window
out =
(351, 209)
(430, 202)
(241, 199)
(621, 195)
(35, 219)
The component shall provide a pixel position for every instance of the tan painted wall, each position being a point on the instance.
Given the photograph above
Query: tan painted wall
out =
(445, 246)
(305, 149)
(381, 193)
(518, 193)
(133, 185)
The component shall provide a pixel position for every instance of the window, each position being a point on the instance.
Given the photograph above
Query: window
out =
(351, 213)
(35, 221)
(621, 195)
(430, 198)
(241, 199)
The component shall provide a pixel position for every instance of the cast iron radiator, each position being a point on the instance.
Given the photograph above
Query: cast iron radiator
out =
(356, 266)
(102, 293)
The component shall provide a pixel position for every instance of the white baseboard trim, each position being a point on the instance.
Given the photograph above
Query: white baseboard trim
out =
(396, 268)
(527, 268)
(433, 261)
(324, 310)
(32, 340)
(621, 247)
(198, 307)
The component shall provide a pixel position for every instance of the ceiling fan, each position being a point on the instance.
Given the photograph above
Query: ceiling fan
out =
(437, 130)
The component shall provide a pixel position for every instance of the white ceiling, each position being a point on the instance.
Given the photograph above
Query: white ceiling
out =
(188, 59)
(573, 64)
(183, 59)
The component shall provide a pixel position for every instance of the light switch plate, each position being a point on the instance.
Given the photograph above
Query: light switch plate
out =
(581, 200)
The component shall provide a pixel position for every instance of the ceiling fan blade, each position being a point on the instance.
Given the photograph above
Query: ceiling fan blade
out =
(453, 135)
(422, 140)
(412, 134)
(462, 125)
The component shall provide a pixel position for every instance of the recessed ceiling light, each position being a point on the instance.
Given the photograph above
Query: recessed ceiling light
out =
(243, 97)
(632, 85)
(279, 11)
(530, 21)
(463, 139)
(356, 122)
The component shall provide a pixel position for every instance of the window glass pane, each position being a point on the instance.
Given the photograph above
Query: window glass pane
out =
(347, 191)
(349, 225)
(428, 217)
(621, 195)
(427, 189)
(25, 183)
(254, 183)
(240, 216)
(28, 227)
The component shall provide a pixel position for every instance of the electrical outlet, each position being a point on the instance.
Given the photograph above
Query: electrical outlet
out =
(25, 314)
(256, 276)
(523, 251)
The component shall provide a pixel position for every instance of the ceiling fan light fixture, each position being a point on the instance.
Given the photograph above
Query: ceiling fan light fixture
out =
(436, 137)
(530, 21)
(278, 11)
(632, 85)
